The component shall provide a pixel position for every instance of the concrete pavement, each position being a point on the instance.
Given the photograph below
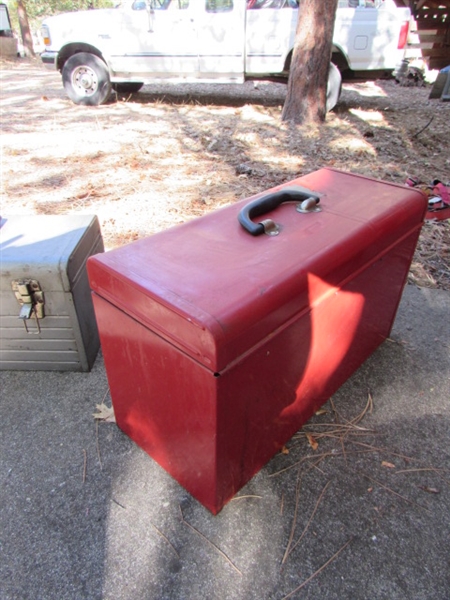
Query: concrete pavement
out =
(86, 514)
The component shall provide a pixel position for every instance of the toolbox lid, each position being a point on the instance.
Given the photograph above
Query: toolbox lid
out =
(48, 248)
(215, 291)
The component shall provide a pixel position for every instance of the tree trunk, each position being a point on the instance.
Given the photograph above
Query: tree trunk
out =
(307, 85)
(27, 40)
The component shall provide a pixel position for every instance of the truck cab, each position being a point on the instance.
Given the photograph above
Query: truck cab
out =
(208, 41)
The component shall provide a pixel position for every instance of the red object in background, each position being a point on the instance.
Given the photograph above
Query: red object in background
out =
(219, 345)
(439, 211)
(438, 215)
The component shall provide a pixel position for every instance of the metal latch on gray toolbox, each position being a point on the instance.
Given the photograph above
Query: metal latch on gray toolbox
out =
(31, 300)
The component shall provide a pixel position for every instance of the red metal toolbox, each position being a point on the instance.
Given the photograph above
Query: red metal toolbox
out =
(219, 344)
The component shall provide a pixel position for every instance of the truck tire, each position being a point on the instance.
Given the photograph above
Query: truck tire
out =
(127, 87)
(86, 79)
(334, 86)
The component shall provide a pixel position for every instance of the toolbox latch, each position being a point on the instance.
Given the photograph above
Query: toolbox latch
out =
(31, 301)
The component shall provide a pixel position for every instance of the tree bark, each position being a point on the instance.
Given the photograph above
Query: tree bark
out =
(27, 40)
(308, 77)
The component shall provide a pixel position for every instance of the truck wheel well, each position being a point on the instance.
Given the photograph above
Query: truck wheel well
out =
(337, 58)
(287, 62)
(71, 49)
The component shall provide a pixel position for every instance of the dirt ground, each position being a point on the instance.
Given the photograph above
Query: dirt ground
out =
(145, 162)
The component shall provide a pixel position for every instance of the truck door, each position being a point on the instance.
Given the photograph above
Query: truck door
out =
(159, 40)
(370, 31)
(271, 26)
(221, 39)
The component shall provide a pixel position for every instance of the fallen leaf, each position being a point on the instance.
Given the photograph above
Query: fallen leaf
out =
(284, 450)
(105, 413)
(312, 442)
(387, 464)
(321, 411)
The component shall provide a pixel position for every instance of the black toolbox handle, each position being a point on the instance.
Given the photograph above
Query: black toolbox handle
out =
(269, 202)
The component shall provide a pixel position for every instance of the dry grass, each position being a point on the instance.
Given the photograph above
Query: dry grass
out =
(168, 154)
(431, 263)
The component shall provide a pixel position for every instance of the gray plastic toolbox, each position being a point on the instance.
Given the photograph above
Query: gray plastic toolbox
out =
(47, 320)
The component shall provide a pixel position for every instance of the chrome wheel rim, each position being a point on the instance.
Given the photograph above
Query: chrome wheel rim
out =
(84, 81)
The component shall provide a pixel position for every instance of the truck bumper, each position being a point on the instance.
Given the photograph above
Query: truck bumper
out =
(49, 59)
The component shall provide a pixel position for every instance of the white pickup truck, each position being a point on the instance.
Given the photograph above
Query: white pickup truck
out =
(210, 41)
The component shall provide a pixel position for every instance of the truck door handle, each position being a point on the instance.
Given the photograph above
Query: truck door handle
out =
(307, 200)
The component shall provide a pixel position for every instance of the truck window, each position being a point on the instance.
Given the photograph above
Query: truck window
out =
(360, 3)
(160, 4)
(5, 23)
(256, 4)
(219, 6)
